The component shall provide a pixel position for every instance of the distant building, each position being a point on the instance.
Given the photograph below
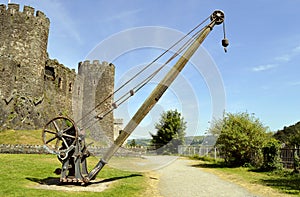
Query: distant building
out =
(118, 127)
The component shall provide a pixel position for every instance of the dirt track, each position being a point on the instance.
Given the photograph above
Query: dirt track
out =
(181, 179)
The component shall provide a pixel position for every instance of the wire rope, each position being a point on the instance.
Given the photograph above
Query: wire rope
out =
(122, 99)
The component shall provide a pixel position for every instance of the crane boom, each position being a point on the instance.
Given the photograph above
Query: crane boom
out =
(216, 18)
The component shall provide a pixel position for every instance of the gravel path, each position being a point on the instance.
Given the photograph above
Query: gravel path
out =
(172, 177)
(181, 179)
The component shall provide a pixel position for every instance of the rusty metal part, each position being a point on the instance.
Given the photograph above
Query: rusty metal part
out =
(59, 135)
(225, 42)
(218, 16)
(62, 137)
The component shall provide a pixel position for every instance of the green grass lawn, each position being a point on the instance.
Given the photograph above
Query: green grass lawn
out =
(30, 137)
(20, 173)
(33, 137)
(281, 182)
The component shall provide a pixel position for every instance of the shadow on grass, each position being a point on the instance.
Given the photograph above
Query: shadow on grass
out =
(116, 178)
(55, 180)
(288, 185)
(46, 181)
(282, 181)
(210, 165)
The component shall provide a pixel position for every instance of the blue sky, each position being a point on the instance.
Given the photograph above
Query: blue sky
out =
(260, 72)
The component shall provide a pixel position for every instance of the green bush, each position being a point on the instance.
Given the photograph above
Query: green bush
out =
(296, 162)
(271, 152)
(241, 138)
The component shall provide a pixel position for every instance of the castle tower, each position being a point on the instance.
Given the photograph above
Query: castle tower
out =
(97, 81)
(24, 39)
(23, 53)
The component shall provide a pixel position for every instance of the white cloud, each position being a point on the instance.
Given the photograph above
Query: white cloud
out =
(122, 15)
(297, 49)
(289, 56)
(295, 83)
(284, 58)
(264, 67)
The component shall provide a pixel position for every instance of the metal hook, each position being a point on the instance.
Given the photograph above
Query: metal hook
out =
(225, 41)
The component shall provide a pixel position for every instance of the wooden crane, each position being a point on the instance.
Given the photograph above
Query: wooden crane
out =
(69, 142)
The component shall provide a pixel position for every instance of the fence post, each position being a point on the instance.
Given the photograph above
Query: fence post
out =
(215, 149)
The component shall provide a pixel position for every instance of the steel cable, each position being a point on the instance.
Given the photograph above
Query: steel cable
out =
(122, 99)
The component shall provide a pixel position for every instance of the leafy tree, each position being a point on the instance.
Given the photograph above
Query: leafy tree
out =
(216, 127)
(196, 140)
(170, 132)
(132, 143)
(290, 135)
(241, 139)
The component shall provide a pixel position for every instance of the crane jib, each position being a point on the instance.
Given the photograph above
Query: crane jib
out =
(216, 18)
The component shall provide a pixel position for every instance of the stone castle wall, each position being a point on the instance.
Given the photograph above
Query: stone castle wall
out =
(34, 88)
(23, 53)
(58, 90)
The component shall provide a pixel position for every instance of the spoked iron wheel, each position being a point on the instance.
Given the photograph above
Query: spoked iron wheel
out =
(60, 135)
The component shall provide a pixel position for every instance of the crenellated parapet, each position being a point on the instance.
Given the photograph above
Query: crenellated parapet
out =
(27, 26)
(93, 66)
(13, 9)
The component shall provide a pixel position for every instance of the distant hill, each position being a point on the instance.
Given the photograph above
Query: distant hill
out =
(289, 135)
(209, 140)
(189, 140)
(194, 140)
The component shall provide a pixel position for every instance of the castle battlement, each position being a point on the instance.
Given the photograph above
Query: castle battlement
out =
(94, 62)
(26, 32)
(92, 65)
(13, 9)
